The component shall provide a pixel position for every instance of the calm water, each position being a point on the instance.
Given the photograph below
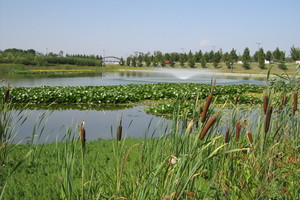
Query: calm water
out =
(102, 124)
(99, 124)
(137, 77)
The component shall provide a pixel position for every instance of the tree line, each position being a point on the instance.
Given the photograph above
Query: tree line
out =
(215, 57)
(31, 57)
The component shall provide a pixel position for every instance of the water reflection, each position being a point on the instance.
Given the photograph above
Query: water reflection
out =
(134, 77)
(99, 124)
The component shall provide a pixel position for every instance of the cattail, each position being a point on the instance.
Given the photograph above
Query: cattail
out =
(6, 97)
(268, 119)
(119, 134)
(207, 126)
(265, 103)
(295, 102)
(82, 134)
(238, 128)
(250, 137)
(236, 99)
(207, 103)
(227, 135)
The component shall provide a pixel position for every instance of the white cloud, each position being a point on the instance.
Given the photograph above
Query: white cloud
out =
(204, 43)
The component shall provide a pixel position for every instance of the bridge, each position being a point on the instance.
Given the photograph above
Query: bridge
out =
(111, 59)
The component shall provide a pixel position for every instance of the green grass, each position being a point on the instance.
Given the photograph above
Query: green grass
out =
(255, 163)
(176, 165)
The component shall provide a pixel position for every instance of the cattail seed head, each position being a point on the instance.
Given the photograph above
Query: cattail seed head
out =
(268, 119)
(207, 103)
(82, 134)
(236, 99)
(265, 103)
(207, 126)
(238, 128)
(119, 133)
(295, 106)
(250, 137)
(227, 135)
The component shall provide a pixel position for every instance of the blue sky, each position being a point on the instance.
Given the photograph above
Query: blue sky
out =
(122, 27)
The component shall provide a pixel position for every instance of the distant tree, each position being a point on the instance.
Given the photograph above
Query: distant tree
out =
(282, 66)
(217, 59)
(230, 58)
(246, 58)
(147, 60)
(133, 61)
(203, 62)
(261, 58)
(295, 53)
(191, 62)
(198, 55)
(181, 60)
(269, 56)
(278, 55)
(128, 61)
(210, 57)
(122, 62)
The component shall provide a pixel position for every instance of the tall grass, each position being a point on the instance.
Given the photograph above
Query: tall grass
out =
(241, 154)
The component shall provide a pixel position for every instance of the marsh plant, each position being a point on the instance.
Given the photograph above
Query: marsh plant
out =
(213, 152)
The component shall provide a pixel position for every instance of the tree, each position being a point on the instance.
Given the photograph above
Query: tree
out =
(278, 55)
(192, 62)
(246, 58)
(203, 62)
(181, 60)
(133, 61)
(217, 59)
(122, 62)
(269, 56)
(295, 53)
(261, 58)
(128, 61)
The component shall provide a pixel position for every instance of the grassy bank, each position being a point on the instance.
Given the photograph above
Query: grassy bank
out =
(233, 157)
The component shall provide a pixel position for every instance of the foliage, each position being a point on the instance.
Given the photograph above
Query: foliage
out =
(295, 53)
(261, 58)
(246, 58)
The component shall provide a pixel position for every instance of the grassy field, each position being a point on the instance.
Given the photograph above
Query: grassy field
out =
(237, 68)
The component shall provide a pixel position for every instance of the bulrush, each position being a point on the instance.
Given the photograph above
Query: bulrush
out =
(295, 107)
(238, 128)
(265, 103)
(82, 134)
(6, 97)
(250, 137)
(207, 126)
(207, 103)
(268, 119)
(236, 99)
(227, 135)
(119, 134)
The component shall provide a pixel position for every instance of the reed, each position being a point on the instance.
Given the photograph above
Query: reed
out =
(207, 126)
(249, 134)
(226, 135)
(268, 119)
(82, 134)
(119, 132)
(295, 102)
(265, 103)
(236, 99)
(206, 107)
(238, 128)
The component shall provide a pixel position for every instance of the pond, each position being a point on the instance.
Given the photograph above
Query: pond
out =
(102, 124)
(139, 77)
